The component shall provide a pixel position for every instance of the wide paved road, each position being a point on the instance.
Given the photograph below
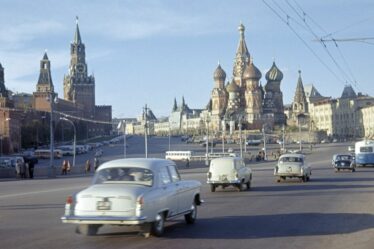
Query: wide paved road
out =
(333, 210)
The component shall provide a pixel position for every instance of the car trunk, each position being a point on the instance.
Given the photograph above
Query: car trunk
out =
(221, 172)
(111, 199)
(289, 168)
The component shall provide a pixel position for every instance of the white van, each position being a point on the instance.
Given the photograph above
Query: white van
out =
(178, 155)
(226, 171)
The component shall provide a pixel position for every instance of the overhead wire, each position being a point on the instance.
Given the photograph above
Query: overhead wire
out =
(342, 71)
(303, 41)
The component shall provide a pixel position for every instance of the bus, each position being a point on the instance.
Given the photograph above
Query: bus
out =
(364, 152)
(178, 155)
(45, 154)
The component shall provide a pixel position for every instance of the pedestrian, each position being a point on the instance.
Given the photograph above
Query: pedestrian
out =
(68, 168)
(64, 167)
(18, 170)
(88, 166)
(22, 168)
(188, 163)
(96, 163)
(31, 168)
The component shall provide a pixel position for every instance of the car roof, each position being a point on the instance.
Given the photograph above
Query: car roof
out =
(147, 163)
(222, 159)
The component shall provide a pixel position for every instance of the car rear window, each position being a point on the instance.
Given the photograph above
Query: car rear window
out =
(127, 175)
(291, 159)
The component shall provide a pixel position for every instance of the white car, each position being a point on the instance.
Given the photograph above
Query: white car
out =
(226, 171)
(142, 192)
(292, 165)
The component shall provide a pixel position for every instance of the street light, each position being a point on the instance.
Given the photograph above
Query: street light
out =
(75, 137)
(264, 135)
(2, 136)
(145, 113)
(169, 135)
(51, 99)
(223, 134)
(300, 119)
(240, 136)
(207, 141)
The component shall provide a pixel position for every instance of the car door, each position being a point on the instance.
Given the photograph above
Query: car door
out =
(168, 191)
(181, 189)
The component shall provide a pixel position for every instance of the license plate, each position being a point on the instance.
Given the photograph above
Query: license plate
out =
(103, 205)
(223, 177)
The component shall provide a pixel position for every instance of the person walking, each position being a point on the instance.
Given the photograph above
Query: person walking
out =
(18, 170)
(31, 168)
(22, 168)
(96, 163)
(68, 168)
(188, 163)
(88, 166)
(64, 167)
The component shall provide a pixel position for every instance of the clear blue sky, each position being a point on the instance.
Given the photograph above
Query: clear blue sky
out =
(152, 51)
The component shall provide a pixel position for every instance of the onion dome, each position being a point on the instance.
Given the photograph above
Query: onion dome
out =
(233, 87)
(251, 71)
(274, 74)
(219, 73)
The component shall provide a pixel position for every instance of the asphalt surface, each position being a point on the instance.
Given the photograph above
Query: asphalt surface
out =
(333, 210)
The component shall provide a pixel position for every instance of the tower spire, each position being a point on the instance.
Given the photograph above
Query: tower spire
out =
(77, 36)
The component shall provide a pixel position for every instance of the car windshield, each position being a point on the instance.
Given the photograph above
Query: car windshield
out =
(127, 175)
(291, 160)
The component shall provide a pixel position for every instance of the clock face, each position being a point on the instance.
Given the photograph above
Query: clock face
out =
(80, 68)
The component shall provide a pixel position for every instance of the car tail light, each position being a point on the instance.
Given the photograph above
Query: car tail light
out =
(69, 200)
(140, 201)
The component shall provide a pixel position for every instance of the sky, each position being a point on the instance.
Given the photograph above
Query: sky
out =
(152, 51)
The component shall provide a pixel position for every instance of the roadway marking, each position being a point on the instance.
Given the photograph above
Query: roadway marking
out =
(37, 192)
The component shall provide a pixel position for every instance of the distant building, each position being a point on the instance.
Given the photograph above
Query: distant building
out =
(18, 110)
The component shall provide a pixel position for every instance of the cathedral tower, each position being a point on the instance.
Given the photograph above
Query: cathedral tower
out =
(273, 100)
(253, 95)
(79, 87)
(241, 58)
(299, 105)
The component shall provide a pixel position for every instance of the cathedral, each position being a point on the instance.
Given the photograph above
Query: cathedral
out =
(243, 100)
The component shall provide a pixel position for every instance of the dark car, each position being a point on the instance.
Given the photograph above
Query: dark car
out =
(343, 161)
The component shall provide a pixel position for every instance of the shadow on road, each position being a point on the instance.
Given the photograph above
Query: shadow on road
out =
(307, 187)
(31, 206)
(269, 226)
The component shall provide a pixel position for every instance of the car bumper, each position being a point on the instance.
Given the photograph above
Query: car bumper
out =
(289, 174)
(223, 182)
(113, 220)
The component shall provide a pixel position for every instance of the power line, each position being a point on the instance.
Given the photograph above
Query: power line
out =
(303, 41)
(348, 77)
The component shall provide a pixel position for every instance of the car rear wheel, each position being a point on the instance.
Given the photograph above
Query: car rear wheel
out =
(242, 186)
(249, 185)
(212, 188)
(157, 227)
(87, 230)
(190, 218)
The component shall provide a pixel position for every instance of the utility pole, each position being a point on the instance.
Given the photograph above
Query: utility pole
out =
(263, 133)
(145, 112)
(240, 136)
(52, 170)
(283, 142)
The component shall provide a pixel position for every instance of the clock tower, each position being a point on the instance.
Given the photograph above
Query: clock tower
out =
(79, 87)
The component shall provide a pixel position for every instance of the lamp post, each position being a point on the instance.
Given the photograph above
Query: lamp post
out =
(240, 136)
(145, 112)
(124, 139)
(52, 169)
(223, 134)
(283, 142)
(207, 141)
(75, 137)
(169, 136)
(264, 137)
(300, 119)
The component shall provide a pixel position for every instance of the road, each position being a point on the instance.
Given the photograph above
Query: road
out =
(333, 210)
